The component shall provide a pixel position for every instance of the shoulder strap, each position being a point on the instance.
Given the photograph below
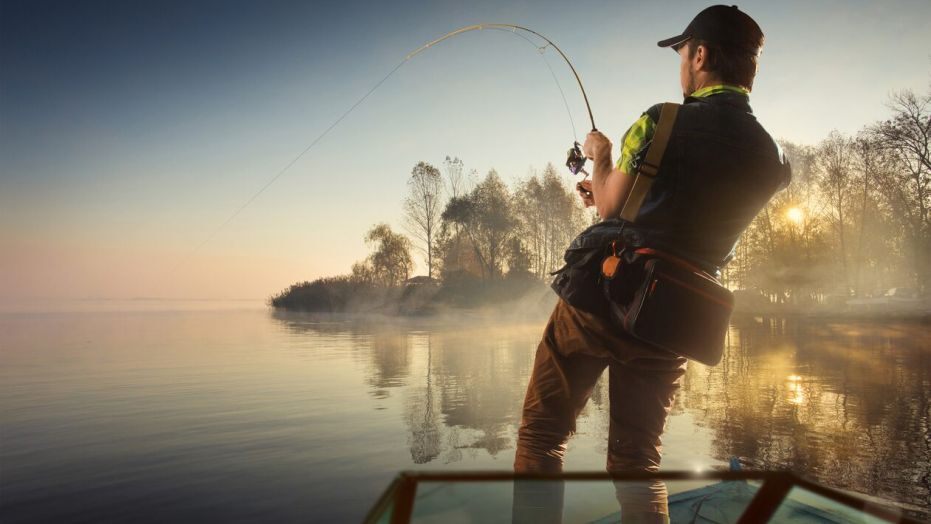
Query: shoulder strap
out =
(643, 179)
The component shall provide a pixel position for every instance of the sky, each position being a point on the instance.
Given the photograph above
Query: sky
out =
(130, 131)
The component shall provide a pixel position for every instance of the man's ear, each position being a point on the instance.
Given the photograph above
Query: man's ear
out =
(700, 58)
(703, 59)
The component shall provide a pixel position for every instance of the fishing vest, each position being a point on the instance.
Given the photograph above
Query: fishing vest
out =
(719, 170)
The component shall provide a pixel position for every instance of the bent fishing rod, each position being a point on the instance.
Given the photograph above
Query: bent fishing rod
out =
(575, 160)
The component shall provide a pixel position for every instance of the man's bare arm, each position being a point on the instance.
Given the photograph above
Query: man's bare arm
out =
(610, 185)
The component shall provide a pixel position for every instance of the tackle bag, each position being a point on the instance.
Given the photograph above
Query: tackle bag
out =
(668, 303)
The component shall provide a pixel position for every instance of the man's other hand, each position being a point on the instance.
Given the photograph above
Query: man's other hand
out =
(597, 146)
(585, 192)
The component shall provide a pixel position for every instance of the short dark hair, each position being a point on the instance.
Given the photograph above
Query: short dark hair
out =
(734, 65)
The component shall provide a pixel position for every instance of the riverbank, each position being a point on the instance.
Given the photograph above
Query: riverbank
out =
(509, 297)
(520, 299)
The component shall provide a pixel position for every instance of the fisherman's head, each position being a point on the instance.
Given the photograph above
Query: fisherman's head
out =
(721, 45)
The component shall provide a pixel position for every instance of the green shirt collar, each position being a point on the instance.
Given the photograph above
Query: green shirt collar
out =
(720, 88)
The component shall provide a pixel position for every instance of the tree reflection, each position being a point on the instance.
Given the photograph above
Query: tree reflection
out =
(390, 352)
(462, 388)
(422, 413)
(473, 385)
(844, 404)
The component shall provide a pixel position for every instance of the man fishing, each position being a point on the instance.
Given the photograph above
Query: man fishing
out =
(719, 169)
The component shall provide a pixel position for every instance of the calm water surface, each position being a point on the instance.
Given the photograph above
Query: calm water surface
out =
(249, 414)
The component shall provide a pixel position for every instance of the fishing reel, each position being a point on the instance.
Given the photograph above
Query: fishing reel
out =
(575, 160)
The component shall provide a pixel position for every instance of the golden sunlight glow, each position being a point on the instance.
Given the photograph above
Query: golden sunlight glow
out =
(795, 215)
(796, 393)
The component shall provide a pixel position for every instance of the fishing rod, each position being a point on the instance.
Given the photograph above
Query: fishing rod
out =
(575, 160)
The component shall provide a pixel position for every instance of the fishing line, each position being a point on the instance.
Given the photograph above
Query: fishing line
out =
(565, 102)
(574, 162)
(513, 28)
(542, 50)
(288, 166)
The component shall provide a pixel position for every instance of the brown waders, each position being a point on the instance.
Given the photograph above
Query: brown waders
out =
(576, 348)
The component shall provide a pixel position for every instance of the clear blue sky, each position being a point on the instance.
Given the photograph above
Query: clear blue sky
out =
(130, 130)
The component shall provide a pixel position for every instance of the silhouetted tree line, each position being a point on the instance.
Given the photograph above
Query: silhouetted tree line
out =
(481, 242)
(855, 221)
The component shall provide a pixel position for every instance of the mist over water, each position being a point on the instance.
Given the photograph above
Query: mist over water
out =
(250, 414)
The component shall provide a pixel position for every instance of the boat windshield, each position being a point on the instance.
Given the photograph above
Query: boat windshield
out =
(598, 498)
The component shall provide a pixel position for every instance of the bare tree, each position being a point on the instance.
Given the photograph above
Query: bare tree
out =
(422, 208)
(528, 196)
(835, 160)
(549, 216)
(455, 183)
(906, 137)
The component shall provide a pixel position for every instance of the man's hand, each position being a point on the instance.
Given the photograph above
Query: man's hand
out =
(585, 192)
(597, 146)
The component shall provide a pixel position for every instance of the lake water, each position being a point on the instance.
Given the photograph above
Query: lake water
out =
(245, 414)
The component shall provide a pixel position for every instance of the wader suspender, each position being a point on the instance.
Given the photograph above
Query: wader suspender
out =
(643, 179)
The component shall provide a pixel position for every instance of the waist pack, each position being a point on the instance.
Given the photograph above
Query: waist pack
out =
(578, 282)
(667, 302)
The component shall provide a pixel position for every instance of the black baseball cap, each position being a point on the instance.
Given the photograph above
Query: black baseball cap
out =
(723, 25)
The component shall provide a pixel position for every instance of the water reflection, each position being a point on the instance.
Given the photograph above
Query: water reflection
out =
(462, 388)
(844, 404)
(243, 416)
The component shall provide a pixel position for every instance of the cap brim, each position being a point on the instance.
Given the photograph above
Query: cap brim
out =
(674, 41)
